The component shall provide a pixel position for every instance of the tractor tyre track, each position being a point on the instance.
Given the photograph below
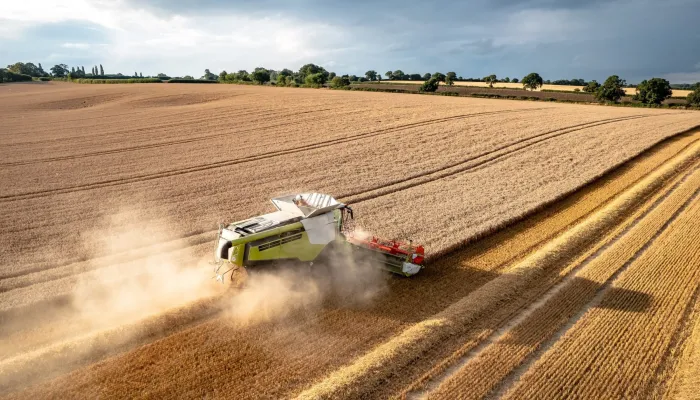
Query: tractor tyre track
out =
(415, 180)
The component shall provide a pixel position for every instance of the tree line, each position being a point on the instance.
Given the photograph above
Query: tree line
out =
(652, 91)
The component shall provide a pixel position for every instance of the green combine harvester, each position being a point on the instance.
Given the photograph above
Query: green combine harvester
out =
(302, 227)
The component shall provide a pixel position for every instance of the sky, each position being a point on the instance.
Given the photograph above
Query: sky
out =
(559, 39)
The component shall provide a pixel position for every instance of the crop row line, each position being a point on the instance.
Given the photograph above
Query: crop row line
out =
(656, 299)
(479, 160)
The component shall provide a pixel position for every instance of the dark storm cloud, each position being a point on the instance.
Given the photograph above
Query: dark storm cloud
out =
(595, 38)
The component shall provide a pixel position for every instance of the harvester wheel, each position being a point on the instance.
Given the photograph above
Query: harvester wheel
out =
(239, 276)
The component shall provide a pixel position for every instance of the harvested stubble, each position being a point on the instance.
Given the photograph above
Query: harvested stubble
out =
(489, 368)
(173, 159)
(633, 326)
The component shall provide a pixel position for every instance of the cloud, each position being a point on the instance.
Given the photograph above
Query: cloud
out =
(82, 46)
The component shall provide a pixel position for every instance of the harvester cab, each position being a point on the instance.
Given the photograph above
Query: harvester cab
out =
(301, 228)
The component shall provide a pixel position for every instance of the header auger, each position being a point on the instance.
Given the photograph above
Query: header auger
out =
(301, 228)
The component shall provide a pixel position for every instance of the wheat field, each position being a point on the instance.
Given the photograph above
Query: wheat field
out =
(548, 227)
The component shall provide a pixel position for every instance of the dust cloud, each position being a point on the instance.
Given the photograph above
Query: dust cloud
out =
(126, 292)
(339, 278)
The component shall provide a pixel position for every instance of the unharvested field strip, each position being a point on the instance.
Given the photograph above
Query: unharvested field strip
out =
(391, 356)
(487, 366)
(166, 143)
(488, 156)
(633, 326)
(684, 382)
(663, 377)
(261, 156)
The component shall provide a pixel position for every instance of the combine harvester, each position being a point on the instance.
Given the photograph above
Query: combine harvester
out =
(303, 226)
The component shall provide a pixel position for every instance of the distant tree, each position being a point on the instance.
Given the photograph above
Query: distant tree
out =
(514, 80)
(162, 76)
(506, 79)
(102, 71)
(331, 75)
(140, 74)
(242, 75)
(389, 74)
(439, 76)
(591, 87)
(371, 75)
(430, 85)
(694, 96)
(426, 76)
(379, 77)
(309, 69)
(653, 91)
(187, 77)
(222, 75)
(315, 80)
(25, 69)
(339, 82)
(59, 70)
(450, 78)
(532, 81)
(611, 89)
(260, 76)
(72, 70)
(83, 69)
(209, 76)
(490, 79)
(399, 75)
